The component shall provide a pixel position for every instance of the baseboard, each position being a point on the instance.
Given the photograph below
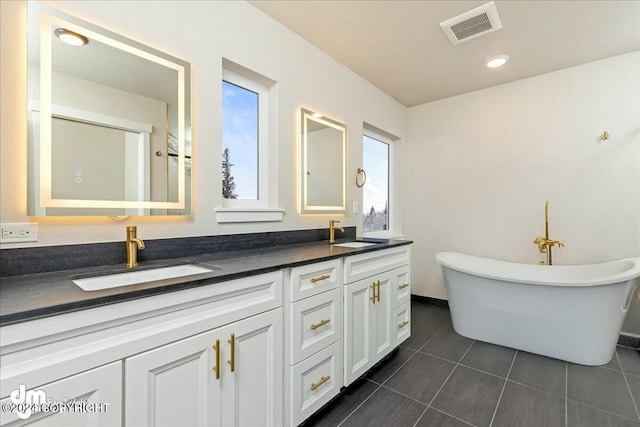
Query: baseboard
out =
(629, 341)
(442, 303)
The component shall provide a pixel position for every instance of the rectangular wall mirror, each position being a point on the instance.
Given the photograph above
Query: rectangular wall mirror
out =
(109, 122)
(323, 160)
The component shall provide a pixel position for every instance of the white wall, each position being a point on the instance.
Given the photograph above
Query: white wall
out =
(482, 165)
(201, 33)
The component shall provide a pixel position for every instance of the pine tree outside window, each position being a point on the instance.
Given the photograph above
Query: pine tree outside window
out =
(375, 198)
(249, 152)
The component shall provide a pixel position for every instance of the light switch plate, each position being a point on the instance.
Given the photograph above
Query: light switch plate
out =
(356, 207)
(14, 233)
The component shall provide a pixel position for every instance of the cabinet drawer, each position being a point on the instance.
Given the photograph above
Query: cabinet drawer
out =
(402, 323)
(101, 388)
(358, 267)
(314, 382)
(316, 322)
(401, 285)
(313, 279)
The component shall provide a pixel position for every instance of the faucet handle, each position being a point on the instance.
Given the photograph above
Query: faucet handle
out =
(541, 242)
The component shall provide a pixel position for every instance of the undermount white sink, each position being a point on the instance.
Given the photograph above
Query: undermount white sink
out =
(97, 283)
(354, 244)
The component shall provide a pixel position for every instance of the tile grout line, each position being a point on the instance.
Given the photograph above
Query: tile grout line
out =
(602, 410)
(468, 366)
(442, 385)
(433, 336)
(399, 367)
(624, 375)
(495, 411)
(361, 403)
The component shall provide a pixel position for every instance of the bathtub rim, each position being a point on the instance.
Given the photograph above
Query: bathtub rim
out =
(508, 270)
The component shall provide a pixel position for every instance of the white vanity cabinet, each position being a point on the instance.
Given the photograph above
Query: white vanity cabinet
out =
(94, 398)
(230, 376)
(376, 307)
(314, 330)
(160, 351)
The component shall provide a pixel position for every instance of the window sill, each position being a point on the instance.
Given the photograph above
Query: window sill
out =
(226, 215)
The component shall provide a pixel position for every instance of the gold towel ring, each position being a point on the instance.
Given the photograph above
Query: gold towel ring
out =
(359, 172)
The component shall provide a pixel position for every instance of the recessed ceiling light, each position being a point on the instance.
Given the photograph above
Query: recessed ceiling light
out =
(70, 38)
(317, 115)
(496, 61)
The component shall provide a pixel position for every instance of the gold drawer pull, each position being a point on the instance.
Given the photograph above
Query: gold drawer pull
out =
(403, 286)
(321, 278)
(216, 368)
(373, 288)
(320, 323)
(319, 383)
(232, 361)
(403, 324)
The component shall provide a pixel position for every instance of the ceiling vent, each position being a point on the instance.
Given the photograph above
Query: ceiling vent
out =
(474, 23)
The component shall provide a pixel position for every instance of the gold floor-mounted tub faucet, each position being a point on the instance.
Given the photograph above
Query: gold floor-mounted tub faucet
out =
(133, 244)
(544, 243)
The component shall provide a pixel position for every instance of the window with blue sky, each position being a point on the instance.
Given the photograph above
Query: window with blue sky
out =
(240, 142)
(375, 198)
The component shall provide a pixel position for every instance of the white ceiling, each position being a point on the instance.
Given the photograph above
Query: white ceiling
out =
(399, 46)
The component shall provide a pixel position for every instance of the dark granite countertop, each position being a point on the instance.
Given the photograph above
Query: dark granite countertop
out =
(33, 296)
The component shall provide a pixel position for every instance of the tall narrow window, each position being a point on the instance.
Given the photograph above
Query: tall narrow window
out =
(249, 156)
(241, 142)
(375, 199)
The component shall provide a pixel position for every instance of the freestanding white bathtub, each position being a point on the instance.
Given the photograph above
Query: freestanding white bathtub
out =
(569, 312)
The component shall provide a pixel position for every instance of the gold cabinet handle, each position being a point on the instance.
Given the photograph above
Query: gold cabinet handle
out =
(320, 323)
(405, 285)
(216, 368)
(321, 278)
(319, 383)
(232, 361)
(403, 324)
(373, 288)
(378, 290)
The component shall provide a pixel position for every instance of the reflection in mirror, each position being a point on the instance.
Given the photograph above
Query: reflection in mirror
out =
(108, 122)
(323, 164)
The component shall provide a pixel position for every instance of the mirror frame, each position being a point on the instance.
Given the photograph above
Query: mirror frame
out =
(305, 207)
(48, 18)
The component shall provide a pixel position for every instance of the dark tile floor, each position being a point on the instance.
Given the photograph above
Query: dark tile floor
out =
(439, 378)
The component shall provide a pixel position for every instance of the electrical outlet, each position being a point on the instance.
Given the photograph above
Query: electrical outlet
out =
(14, 233)
(356, 207)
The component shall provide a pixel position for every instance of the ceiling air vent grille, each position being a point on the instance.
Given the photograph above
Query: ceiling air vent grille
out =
(474, 23)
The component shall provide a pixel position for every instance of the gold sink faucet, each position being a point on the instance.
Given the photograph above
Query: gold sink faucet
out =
(544, 243)
(332, 230)
(133, 244)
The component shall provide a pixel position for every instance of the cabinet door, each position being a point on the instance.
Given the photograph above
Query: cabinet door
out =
(252, 393)
(382, 339)
(96, 397)
(358, 320)
(174, 385)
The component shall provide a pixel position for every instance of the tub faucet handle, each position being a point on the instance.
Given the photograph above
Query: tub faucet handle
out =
(541, 242)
